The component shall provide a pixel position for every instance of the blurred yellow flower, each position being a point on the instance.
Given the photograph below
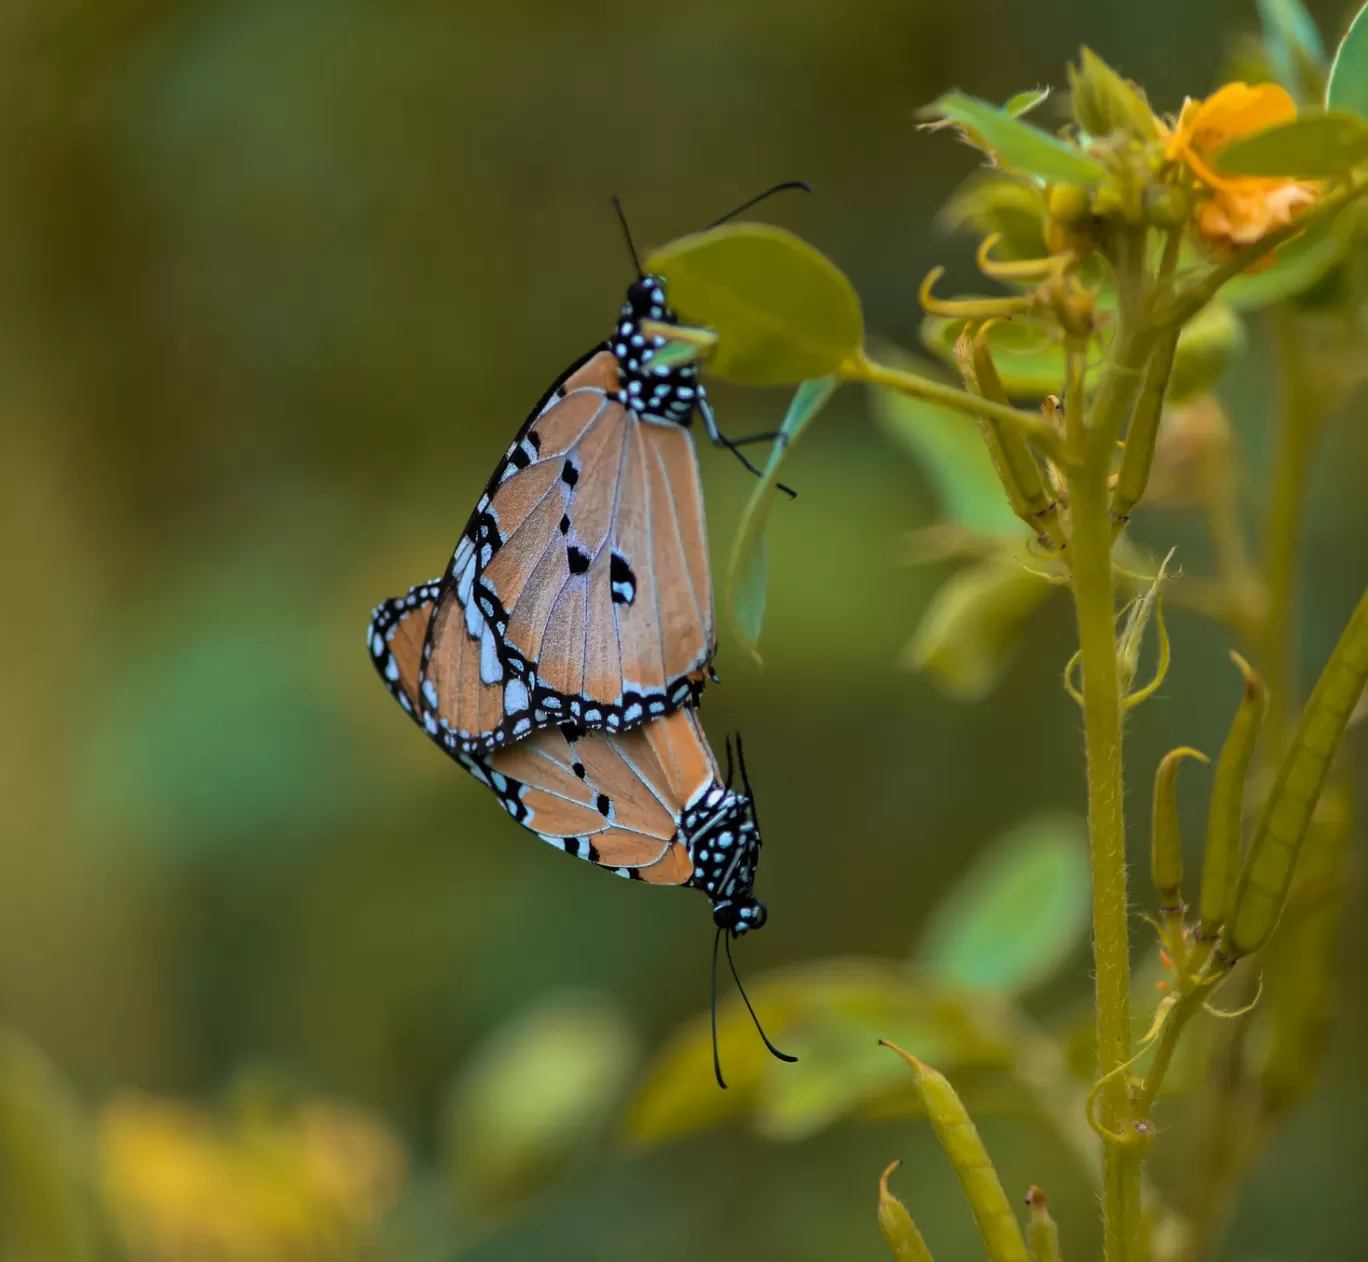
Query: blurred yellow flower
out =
(183, 1185)
(1241, 209)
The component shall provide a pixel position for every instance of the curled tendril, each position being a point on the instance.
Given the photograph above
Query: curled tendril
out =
(1042, 548)
(1068, 678)
(969, 308)
(1239, 1012)
(1022, 269)
(1090, 1109)
(1160, 671)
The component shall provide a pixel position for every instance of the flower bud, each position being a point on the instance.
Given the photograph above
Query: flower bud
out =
(1166, 207)
(1105, 104)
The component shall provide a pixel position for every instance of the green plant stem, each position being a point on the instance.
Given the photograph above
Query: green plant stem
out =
(861, 368)
(1095, 606)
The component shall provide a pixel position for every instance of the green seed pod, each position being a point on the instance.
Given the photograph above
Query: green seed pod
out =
(1015, 463)
(1166, 858)
(1143, 432)
(1272, 858)
(1105, 104)
(959, 1137)
(1226, 815)
(1299, 976)
(1041, 1232)
(897, 1225)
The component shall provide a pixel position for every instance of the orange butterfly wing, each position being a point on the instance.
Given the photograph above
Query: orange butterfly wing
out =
(580, 589)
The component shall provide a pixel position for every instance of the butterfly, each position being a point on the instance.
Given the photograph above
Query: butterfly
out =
(649, 804)
(579, 591)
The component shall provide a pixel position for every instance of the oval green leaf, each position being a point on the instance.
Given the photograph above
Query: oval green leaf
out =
(1025, 102)
(1347, 87)
(969, 632)
(783, 312)
(1017, 144)
(1018, 914)
(1314, 147)
(748, 571)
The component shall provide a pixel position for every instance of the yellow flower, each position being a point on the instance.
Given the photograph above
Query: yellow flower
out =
(1240, 209)
(185, 1185)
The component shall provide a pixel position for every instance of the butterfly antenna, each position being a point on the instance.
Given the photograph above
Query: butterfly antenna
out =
(717, 1060)
(741, 760)
(760, 197)
(627, 236)
(764, 1038)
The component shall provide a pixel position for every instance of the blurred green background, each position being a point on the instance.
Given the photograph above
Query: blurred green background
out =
(278, 280)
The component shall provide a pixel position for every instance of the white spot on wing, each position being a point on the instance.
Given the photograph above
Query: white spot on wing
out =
(515, 696)
(491, 671)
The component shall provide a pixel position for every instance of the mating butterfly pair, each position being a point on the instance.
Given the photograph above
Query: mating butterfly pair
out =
(562, 654)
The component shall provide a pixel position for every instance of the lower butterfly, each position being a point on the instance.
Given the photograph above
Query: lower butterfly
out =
(650, 804)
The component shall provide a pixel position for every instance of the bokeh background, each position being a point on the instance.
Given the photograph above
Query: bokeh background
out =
(278, 280)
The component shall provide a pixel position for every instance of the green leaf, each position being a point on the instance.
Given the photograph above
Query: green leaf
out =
(535, 1092)
(783, 312)
(950, 450)
(969, 632)
(1347, 87)
(748, 570)
(1313, 147)
(1017, 144)
(831, 1015)
(1296, 267)
(1025, 102)
(1292, 43)
(1019, 912)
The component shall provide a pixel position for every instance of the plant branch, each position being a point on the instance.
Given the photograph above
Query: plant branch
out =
(1190, 299)
(1029, 425)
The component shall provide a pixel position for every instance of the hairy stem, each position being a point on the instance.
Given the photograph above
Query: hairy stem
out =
(1094, 604)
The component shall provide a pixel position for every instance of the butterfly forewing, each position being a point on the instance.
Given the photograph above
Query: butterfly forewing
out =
(580, 589)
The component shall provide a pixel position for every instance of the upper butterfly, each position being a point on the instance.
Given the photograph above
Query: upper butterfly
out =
(579, 590)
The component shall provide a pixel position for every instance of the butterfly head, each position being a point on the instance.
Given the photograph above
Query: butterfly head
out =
(669, 392)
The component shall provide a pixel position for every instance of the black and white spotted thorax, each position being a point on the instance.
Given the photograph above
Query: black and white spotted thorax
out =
(722, 837)
(660, 391)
